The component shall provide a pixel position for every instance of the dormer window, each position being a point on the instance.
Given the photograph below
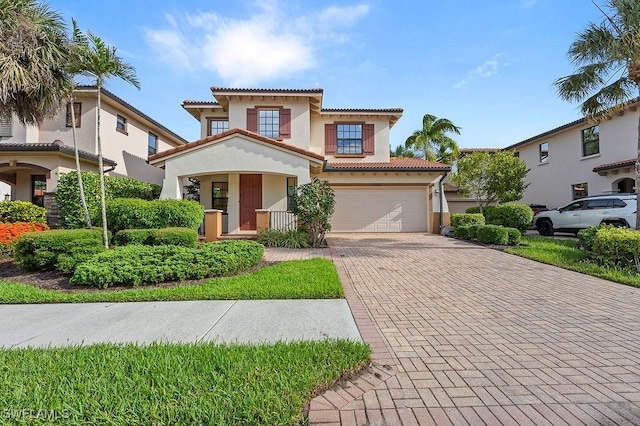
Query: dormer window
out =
(349, 139)
(269, 123)
(217, 126)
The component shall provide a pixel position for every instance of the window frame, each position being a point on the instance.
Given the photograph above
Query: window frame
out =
(121, 124)
(211, 120)
(77, 106)
(155, 143)
(576, 193)
(544, 159)
(220, 203)
(594, 140)
(292, 186)
(349, 152)
(38, 199)
(274, 123)
(6, 127)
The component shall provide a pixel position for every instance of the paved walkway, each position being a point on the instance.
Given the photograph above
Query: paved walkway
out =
(463, 334)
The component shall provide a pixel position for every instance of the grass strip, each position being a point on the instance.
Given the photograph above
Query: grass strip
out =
(295, 279)
(566, 254)
(164, 384)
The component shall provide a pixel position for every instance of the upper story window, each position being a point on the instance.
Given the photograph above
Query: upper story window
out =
(77, 112)
(544, 152)
(152, 144)
(349, 139)
(5, 127)
(121, 124)
(271, 122)
(217, 126)
(591, 141)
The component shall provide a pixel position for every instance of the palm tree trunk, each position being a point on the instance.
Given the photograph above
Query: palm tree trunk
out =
(83, 199)
(103, 208)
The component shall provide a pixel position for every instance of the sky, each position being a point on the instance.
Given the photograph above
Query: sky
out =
(488, 66)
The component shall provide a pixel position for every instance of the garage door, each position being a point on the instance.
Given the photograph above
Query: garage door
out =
(386, 209)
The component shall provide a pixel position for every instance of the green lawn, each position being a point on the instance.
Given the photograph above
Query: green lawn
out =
(296, 279)
(566, 254)
(167, 384)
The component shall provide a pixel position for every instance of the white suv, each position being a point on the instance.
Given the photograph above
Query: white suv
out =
(616, 209)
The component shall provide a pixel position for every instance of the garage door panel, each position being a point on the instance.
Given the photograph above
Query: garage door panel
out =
(387, 209)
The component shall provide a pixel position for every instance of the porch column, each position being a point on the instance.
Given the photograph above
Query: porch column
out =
(263, 220)
(212, 225)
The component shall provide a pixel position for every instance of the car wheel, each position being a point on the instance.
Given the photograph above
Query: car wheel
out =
(545, 227)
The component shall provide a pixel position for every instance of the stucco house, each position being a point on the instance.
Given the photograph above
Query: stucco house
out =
(581, 158)
(33, 157)
(258, 145)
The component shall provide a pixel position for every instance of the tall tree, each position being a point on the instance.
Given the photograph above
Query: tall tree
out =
(606, 57)
(33, 82)
(102, 62)
(432, 140)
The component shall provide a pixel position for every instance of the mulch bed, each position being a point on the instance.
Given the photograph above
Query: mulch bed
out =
(54, 280)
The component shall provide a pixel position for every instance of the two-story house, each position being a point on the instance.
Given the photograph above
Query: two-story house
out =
(581, 158)
(258, 145)
(33, 157)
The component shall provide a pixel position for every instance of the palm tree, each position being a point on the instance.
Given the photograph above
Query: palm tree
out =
(78, 47)
(102, 62)
(33, 84)
(432, 140)
(403, 152)
(607, 61)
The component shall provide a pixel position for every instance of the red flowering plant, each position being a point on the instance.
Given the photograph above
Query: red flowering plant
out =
(9, 233)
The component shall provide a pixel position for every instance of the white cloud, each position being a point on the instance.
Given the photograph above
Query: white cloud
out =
(487, 70)
(528, 4)
(247, 51)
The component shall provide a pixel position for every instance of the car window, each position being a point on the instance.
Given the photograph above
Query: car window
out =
(600, 203)
(578, 205)
(617, 203)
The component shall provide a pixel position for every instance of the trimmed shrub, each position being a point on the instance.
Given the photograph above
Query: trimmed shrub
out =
(295, 238)
(466, 219)
(476, 209)
(57, 249)
(9, 233)
(617, 248)
(587, 236)
(473, 231)
(21, 211)
(68, 195)
(133, 213)
(514, 236)
(493, 234)
(139, 265)
(511, 215)
(462, 232)
(157, 237)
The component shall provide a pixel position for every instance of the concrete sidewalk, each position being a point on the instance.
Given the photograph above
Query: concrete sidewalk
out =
(220, 321)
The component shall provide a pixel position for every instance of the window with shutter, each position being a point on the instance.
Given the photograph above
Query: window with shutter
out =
(5, 127)
(330, 142)
(285, 123)
(252, 120)
(368, 142)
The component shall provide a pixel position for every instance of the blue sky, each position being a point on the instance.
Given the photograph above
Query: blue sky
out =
(488, 65)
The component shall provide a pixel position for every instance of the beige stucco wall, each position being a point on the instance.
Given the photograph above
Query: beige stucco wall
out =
(381, 129)
(56, 128)
(550, 183)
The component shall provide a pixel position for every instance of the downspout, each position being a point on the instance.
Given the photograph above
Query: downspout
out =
(440, 195)
(112, 168)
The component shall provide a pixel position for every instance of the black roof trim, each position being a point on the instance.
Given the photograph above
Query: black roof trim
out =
(52, 147)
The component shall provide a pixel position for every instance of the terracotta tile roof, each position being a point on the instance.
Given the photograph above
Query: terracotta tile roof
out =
(55, 146)
(250, 90)
(231, 132)
(191, 102)
(363, 110)
(616, 165)
(396, 164)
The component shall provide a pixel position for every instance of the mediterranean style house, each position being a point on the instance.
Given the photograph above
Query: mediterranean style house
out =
(581, 158)
(33, 157)
(258, 145)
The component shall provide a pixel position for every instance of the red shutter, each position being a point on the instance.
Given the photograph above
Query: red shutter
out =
(252, 120)
(330, 141)
(368, 140)
(285, 123)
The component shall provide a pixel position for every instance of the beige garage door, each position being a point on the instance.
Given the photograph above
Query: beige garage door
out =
(381, 209)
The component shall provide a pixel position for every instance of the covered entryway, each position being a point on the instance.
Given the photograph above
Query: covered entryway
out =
(381, 209)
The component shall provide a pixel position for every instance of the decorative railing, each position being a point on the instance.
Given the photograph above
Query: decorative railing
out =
(283, 221)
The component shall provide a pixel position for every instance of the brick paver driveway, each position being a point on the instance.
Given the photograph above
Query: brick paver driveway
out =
(463, 334)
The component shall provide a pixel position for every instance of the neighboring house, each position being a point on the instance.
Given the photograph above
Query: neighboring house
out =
(33, 157)
(258, 145)
(581, 158)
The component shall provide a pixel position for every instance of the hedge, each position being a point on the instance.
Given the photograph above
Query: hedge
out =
(617, 248)
(587, 236)
(21, 211)
(68, 195)
(510, 215)
(157, 237)
(57, 249)
(9, 233)
(139, 265)
(132, 213)
(476, 209)
(493, 234)
(473, 231)
(466, 219)
(462, 232)
(514, 236)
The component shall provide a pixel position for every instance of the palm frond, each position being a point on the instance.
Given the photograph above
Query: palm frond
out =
(610, 98)
(586, 80)
(595, 44)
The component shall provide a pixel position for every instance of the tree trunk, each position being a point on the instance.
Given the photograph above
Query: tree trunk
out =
(83, 199)
(103, 207)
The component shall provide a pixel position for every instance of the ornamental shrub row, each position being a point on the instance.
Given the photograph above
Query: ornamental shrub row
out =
(510, 215)
(139, 265)
(617, 248)
(21, 211)
(133, 213)
(157, 237)
(9, 233)
(489, 234)
(466, 219)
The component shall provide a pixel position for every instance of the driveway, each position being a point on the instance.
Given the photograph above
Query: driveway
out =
(463, 334)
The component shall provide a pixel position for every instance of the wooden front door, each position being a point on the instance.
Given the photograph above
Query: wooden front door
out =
(250, 200)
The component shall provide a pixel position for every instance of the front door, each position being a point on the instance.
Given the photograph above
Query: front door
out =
(250, 200)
